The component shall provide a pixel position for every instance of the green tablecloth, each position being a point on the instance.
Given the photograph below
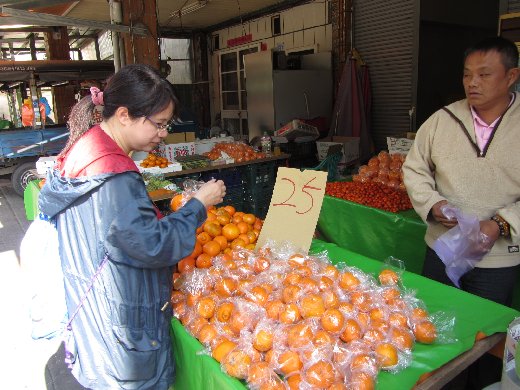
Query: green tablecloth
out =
(472, 314)
(374, 233)
(30, 200)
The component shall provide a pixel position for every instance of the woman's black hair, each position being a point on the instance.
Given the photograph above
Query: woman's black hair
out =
(507, 50)
(138, 87)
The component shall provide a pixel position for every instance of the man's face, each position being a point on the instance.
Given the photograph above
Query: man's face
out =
(486, 80)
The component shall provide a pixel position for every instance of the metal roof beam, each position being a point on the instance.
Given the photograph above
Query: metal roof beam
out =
(18, 16)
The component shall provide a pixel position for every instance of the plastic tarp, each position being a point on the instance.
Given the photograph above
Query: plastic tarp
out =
(194, 370)
(374, 233)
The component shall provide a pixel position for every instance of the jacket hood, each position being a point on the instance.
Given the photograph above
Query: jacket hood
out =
(93, 159)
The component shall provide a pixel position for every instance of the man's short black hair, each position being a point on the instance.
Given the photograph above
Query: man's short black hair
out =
(506, 48)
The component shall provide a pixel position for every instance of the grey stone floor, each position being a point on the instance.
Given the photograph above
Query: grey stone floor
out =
(22, 360)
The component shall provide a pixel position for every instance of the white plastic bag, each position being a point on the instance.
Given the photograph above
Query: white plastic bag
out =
(464, 245)
(41, 266)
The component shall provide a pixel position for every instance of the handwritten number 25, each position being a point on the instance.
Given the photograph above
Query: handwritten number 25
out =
(304, 190)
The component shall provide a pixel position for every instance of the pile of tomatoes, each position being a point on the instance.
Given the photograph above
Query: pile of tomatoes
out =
(384, 169)
(284, 320)
(224, 229)
(239, 151)
(153, 160)
(370, 194)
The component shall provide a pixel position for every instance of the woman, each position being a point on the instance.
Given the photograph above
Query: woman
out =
(116, 251)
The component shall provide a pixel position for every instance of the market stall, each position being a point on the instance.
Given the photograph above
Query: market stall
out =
(374, 233)
(197, 370)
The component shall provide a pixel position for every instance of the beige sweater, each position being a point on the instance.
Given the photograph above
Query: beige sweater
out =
(444, 164)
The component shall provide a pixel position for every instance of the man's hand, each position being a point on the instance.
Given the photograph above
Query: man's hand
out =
(440, 217)
(490, 229)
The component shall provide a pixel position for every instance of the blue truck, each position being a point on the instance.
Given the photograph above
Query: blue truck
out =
(21, 147)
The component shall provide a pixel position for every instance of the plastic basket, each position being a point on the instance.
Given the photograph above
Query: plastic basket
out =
(259, 177)
(299, 149)
(232, 177)
(258, 204)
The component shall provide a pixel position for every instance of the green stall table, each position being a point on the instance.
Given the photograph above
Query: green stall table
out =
(374, 233)
(30, 200)
(195, 371)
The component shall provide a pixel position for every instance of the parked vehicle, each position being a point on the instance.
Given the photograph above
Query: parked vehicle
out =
(21, 147)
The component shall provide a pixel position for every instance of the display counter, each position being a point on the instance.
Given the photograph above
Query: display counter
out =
(195, 370)
(374, 233)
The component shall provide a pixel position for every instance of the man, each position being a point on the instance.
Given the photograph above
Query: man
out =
(467, 155)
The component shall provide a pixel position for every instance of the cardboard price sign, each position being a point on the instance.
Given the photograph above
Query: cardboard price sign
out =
(295, 207)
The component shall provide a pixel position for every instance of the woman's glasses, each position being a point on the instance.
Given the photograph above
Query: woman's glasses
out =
(160, 128)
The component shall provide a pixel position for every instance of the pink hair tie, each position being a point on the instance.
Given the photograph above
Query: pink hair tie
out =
(97, 96)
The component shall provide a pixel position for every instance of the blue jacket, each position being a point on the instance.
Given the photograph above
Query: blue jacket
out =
(121, 335)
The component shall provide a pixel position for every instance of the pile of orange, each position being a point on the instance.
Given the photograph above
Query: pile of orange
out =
(291, 321)
(224, 229)
(239, 151)
(153, 160)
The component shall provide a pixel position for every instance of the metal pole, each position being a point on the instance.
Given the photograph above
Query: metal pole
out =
(116, 18)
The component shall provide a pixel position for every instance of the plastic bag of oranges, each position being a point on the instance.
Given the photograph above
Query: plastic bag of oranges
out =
(190, 187)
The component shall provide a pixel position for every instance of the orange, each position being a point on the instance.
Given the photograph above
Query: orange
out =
(203, 237)
(258, 224)
(362, 362)
(207, 333)
(263, 340)
(291, 278)
(309, 284)
(351, 332)
(230, 231)
(361, 300)
(196, 325)
(244, 238)
(320, 374)
(296, 259)
(239, 321)
(259, 373)
(222, 349)
(386, 355)
(348, 282)
(419, 314)
(185, 265)
(250, 247)
(289, 314)
(192, 299)
(236, 218)
(332, 320)
(179, 309)
(224, 311)
(390, 294)
(225, 287)
(251, 236)
(289, 362)
(206, 307)
(176, 202)
(322, 337)
(293, 381)
(249, 218)
(243, 285)
(331, 272)
(243, 227)
(387, 277)
(211, 217)
(330, 299)
(223, 219)
(238, 243)
(425, 332)
(363, 319)
(261, 264)
(299, 335)
(222, 241)
(337, 386)
(213, 228)
(346, 307)
(274, 383)
(401, 338)
(373, 336)
(212, 248)
(273, 309)
(236, 363)
(258, 295)
(230, 209)
(377, 314)
(325, 283)
(197, 250)
(361, 380)
(304, 270)
(398, 319)
(312, 306)
(203, 261)
(177, 296)
(291, 293)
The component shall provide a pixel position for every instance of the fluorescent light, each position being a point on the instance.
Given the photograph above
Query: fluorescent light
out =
(189, 8)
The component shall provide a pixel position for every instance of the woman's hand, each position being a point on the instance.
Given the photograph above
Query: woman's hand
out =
(211, 193)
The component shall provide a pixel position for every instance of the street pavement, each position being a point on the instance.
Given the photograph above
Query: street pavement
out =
(22, 360)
